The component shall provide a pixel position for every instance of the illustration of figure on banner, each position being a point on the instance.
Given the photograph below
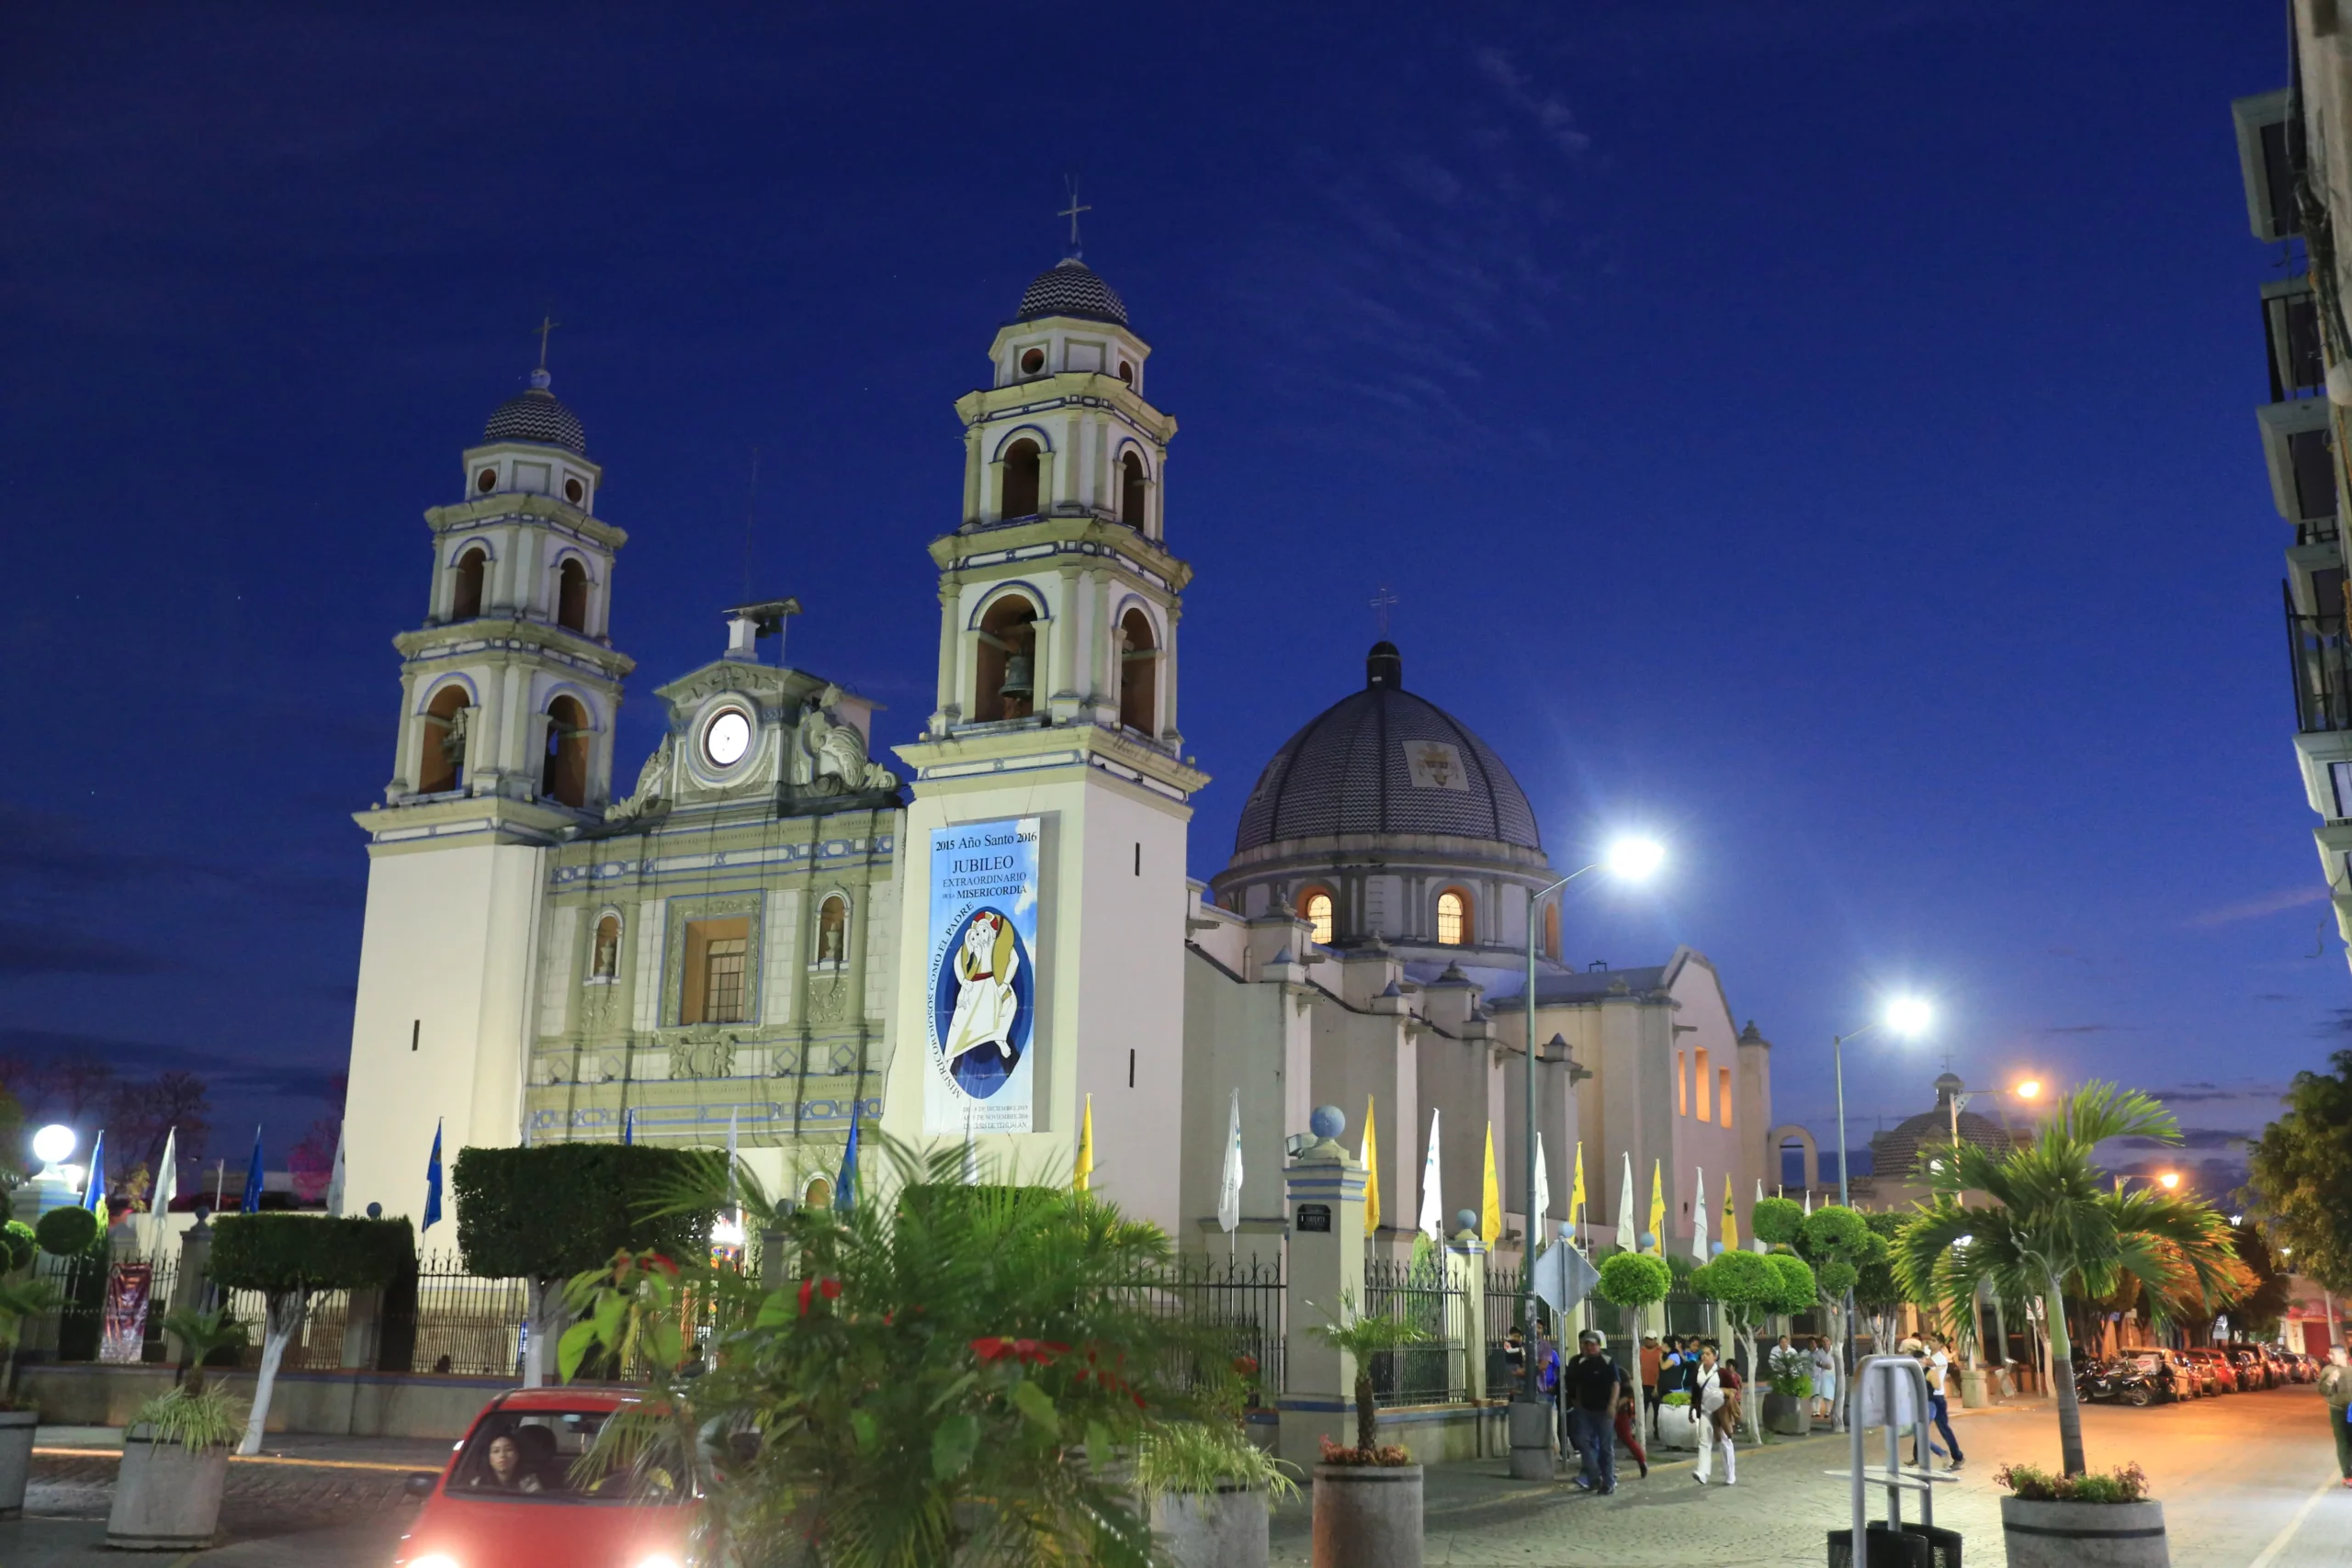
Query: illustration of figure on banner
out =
(987, 1017)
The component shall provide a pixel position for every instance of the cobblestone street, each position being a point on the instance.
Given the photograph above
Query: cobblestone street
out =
(2248, 1481)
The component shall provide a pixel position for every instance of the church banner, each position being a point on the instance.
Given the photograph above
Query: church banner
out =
(124, 1316)
(982, 929)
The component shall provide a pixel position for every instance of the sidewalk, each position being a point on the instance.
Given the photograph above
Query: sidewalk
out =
(402, 1454)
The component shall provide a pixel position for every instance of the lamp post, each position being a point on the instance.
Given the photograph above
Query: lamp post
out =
(1631, 860)
(1905, 1016)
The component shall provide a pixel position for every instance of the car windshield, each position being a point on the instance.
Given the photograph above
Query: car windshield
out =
(529, 1455)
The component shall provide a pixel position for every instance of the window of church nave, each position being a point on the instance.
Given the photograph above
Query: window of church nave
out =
(441, 766)
(1006, 686)
(465, 602)
(1703, 1082)
(564, 776)
(1453, 919)
(833, 928)
(716, 954)
(1723, 1094)
(605, 960)
(1138, 674)
(1552, 932)
(1682, 1083)
(1019, 498)
(1317, 907)
(571, 595)
(1132, 492)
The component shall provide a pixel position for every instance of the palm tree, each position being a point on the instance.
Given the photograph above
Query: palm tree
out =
(2058, 1218)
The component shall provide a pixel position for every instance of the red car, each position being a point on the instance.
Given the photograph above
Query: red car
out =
(507, 1498)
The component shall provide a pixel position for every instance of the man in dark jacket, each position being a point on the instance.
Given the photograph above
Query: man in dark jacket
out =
(1588, 1387)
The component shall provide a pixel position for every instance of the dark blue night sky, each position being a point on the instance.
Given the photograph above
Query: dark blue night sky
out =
(1822, 434)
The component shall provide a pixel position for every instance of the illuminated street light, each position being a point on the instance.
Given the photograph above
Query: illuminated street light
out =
(2169, 1179)
(1634, 859)
(2030, 1089)
(1907, 1016)
(53, 1144)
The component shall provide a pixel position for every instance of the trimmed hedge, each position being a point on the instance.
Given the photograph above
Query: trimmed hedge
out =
(276, 1253)
(1634, 1278)
(563, 1209)
(16, 1237)
(66, 1232)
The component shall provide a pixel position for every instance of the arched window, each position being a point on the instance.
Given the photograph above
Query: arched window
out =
(1138, 674)
(442, 767)
(1132, 492)
(1007, 687)
(605, 961)
(1453, 919)
(1320, 923)
(1020, 495)
(833, 928)
(1702, 1085)
(1552, 932)
(466, 603)
(564, 776)
(818, 1194)
(571, 595)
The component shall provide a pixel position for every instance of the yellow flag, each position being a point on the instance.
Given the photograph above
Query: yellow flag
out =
(1731, 1218)
(1369, 1155)
(1490, 1198)
(1657, 1206)
(1084, 1173)
(1577, 1203)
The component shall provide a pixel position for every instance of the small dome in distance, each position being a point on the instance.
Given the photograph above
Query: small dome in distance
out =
(535, 416)
(1071, 289)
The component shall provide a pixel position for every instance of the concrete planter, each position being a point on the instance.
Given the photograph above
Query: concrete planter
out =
(2084, 1535)
(165, 1498)
(1367, 1515)
(1675, 1430)
(1790, 1417)
(16, 1459)
(1225, 1529)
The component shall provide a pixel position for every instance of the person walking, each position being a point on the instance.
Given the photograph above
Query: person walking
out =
(1825, 1378)
(1629, 1411)
(1673, 1369)
(1588, 1387)
(1714, 1403)
(1939, 1365)
(1652, 1362)
(2336, 1387)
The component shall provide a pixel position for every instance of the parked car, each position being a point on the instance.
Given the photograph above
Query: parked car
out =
(507, 1496)
(2187, 1376)
(2254, 1369)
(2220, 1368)
(2163, 1379)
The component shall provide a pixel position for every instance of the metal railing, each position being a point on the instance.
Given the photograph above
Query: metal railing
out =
(75, 1330)
(1435, 1373)
(1239, 1304)
(464, 1325)
(2317, 663)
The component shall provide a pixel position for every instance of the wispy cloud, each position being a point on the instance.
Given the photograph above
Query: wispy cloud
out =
(2090, 1029)
(2255, 908)
(1549, 111)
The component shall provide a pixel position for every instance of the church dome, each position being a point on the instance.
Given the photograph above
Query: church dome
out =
(1897, 1153)
(1071, 289)
(537, 416)
(1383, 760)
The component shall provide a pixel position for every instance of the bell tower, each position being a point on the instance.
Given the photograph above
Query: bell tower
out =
(503, 745)
(1054, 744)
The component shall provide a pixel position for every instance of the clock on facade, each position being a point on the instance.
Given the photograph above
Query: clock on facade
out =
(726, 737)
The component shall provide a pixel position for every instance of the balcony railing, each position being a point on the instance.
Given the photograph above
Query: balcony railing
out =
(2320, 664)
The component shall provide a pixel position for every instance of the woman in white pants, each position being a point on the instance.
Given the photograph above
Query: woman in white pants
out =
(1711, 1403)
(1824, 1379)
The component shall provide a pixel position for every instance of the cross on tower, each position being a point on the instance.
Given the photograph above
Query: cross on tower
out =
(1380, 603)
(1072, 210)
(546, 324)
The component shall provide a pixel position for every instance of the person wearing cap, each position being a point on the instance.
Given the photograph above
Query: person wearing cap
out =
(1588, 1386)
(1653, 1361)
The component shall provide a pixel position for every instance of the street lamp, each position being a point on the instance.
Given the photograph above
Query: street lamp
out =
(1630, 858)
(2169, 1179)
(1907, 1016)
(2030, 1089)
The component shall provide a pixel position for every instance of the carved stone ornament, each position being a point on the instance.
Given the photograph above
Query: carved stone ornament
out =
(829, 998)
(703, 1054)
(651, 795)
(827, 756)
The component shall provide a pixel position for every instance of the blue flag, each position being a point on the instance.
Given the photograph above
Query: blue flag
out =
(252, 1177)
(628, 1127)
(845, 1186)
(433, 1183)
(93, 1197)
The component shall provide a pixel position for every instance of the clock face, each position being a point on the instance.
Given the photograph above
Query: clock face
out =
(727, 737)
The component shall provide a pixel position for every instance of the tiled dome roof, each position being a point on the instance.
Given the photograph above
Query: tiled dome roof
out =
(1896, 1154)
(1383, 760)
(1071, 289)
(535, 416)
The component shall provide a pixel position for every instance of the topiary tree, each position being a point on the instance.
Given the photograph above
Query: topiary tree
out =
(1776, 1221)
(1879, 1294)
(66, 1232)
(1634, 1280)
(1836, 1242)
(16, 1237)
(546, 1214)
(1749, 1287)
(287, 1257)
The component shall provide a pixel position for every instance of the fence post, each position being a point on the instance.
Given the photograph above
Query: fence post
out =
(363, 1317)
(1323, 1193)
(1466, 1262)
(188, 1284)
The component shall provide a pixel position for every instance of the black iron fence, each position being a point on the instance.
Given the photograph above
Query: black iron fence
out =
(75, 1329)
(457, 1323)
(1239, 1302)
(1431, 1298)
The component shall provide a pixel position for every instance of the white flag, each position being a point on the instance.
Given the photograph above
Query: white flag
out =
(1699, 1219)
(1229, 1190)
(334, 1176)
(159, 1197)
(1432, 1223)
(1541, 1201)
(1628, 1238)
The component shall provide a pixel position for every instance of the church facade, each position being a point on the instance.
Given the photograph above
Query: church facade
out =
(987, 933)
